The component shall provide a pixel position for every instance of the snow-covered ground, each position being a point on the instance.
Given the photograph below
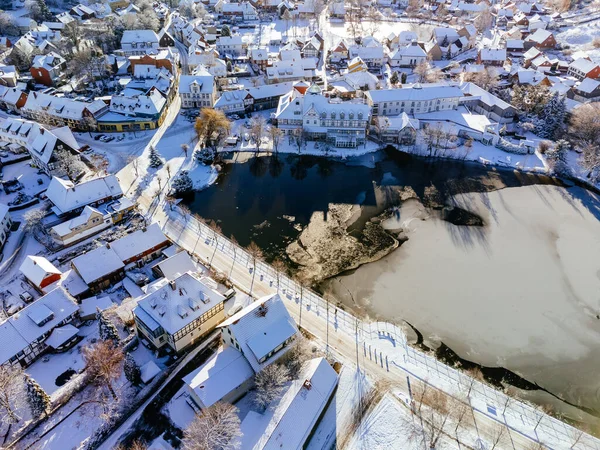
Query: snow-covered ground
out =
(581, 38)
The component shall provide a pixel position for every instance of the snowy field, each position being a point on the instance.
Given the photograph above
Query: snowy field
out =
(581, 38)
(520, 292)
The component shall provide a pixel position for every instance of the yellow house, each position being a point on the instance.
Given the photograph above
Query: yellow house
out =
(134, 111)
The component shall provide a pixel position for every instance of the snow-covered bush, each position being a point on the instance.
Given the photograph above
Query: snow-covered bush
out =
(182, 184)
(155, 160)
(509, 147)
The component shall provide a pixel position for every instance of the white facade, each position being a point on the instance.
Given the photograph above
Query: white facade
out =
(197, 91)
(408, 56)
(139, 42)
(414, 99)
(5, 224)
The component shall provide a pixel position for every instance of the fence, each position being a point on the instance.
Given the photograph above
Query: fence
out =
(496, 405)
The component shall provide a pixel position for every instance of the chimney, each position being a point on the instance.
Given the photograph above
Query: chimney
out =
(307, 385)
(173, 285)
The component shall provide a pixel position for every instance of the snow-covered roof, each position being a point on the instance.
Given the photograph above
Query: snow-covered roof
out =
(63, 107)
(67, 196)
(415, 92)
(133, 103)
(149, 371)
(398, 123)
(89, 306)
(67, 227)
(138, 36)
(584, 65)
(175, 303)
(60, 335)
(539, 36)
(270, 90)
(260, 328)
(295, 415)
(587, 85)
(493, 54)
(48, 61)
(224, 371)
(138, 242)
(205, 83)
(36, 268)
(34, 321)
(177, 265)
(410, 50)
(4, 211)
(97, 263)
(483, 95)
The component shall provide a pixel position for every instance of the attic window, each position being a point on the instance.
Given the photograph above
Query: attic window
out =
(342, 115)
(333, 115)
(360, 115)
(351, 115)
(182, 311)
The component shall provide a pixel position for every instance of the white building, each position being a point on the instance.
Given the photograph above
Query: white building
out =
(263, 331)
(290, 420)
(39, 271)
(139, 42)
(197, 91)
(27, 334)
(70, 198)
(414, 99)
(177, 313)
(230, 45)
(339, 123)
(407, 56)
(232, 102)
(40, 142)
(5, 224)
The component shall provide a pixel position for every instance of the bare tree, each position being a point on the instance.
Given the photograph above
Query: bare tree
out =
(135, 165)
(255, 254)
(257, 131)
(497, 434)
(217, 427)
(185, 148)
(12, 393)
(421, 70)
(269, 384)
(279, 267)
(216, 229)
(590, 161)
(68, 163)
(104, 363)
(33, 220)
(298, 138)
(275, 134)
(433, 408)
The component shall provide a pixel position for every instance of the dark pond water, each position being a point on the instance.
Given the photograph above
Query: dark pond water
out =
(269, 199)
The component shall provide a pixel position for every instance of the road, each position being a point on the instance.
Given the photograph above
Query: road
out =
(342, 333)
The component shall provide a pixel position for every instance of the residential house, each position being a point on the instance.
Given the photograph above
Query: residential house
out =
(165, 39)
(40, 326)
(338, 52)
(372, 55)
(413, 99)
(263, 331)
(5, 224)
(400, 129)
(12, 99)
(40, 142)
(232, 102)
(225, 377)
(357, 65)
(132, 110)
(88, 223)
(166, 59)
(70, 199)
(586, 91)
(39, 272)
(139, 42)
(207, 61)
(242, 11)
(483, 102)
(407, 56)
(515, 46)
(312, 48)
(82, 12)
(62, 111)
(337, 10)
(492, 56)
(290, 420)
(230, 45)
(339, 123)
(266, 97)
(197, 91)
(583, 68)
(260, 57)
(282, 71)
(541, 39)
(141, 246)
(175, 314)
(99, 268)
(8, 76)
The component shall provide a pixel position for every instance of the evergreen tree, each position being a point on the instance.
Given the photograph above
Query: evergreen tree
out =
(107, 330)
(394, 78)
(205, 155)
(557, 158)
(182, 183)
(229, 67)
(403, 78)
(155, 160)
(132, 370)
(39, 401)
(551, 118)
(45, 13)
(225, 31)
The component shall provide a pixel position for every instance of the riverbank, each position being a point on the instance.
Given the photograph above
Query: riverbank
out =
(518, 292)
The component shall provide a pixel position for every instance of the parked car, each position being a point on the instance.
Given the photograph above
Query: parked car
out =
(26, 297)
(98, 137)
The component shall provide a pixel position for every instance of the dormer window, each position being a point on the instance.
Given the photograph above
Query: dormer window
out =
(360, 115)
(342, 115)
(351, 115)
(333, 115)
